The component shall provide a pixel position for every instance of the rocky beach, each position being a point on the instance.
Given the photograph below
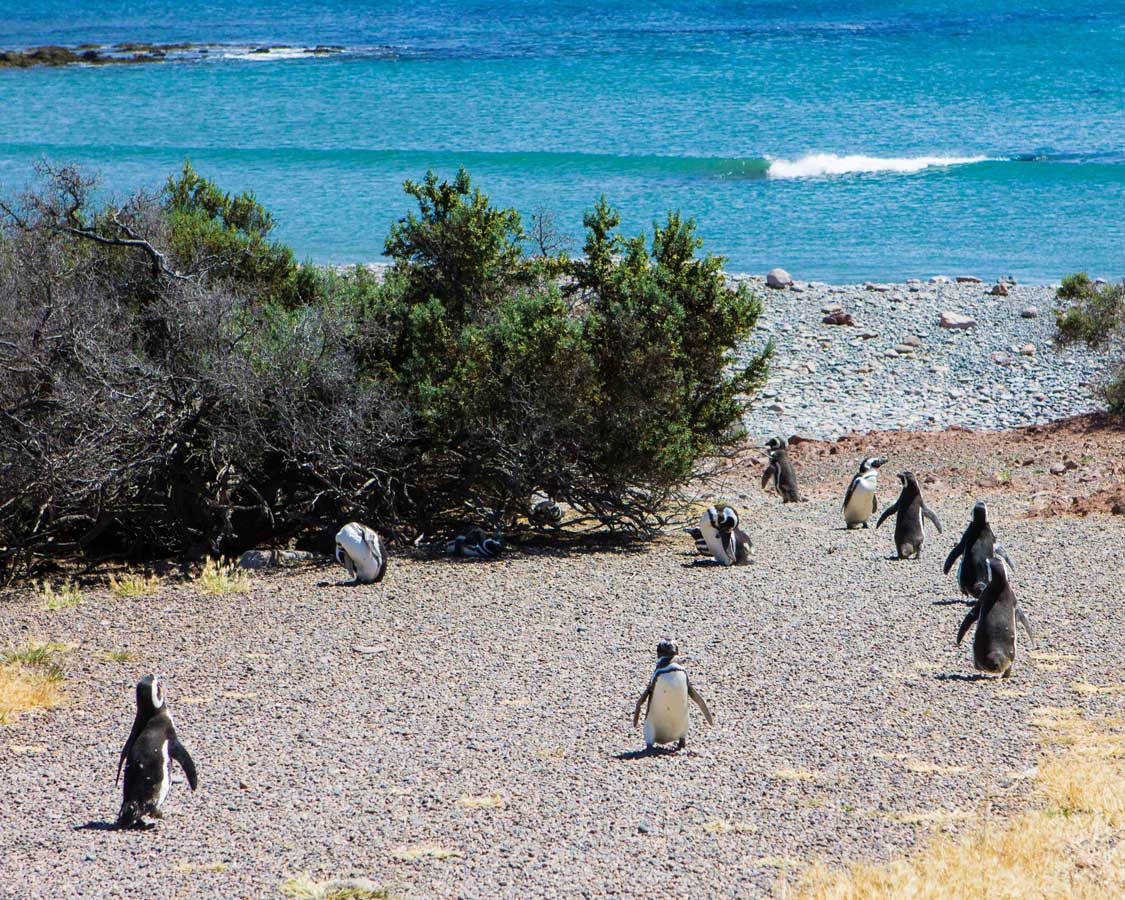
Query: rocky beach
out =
(897, 367)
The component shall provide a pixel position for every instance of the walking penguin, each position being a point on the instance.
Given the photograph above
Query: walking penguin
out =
(780, 471)
(667, 695)
(860, 502)
(996, 614)
(147, 756)
(910, 507)
(976, 547)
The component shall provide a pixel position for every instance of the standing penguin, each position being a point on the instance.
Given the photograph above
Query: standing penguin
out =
(780, 471)
(148, 754)
(720, 534)
(667, 695)
(860, 502)
(360, 550)
(976, 547)
(996, 614)
(909, 530)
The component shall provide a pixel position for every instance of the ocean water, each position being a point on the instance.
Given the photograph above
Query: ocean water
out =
(844, 141)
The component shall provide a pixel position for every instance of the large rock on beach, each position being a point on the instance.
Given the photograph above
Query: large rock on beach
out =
(968, 279)
(1000, 289)
(778, 279)
(949, 319)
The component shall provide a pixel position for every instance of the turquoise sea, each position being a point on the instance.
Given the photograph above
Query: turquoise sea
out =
(842, 140)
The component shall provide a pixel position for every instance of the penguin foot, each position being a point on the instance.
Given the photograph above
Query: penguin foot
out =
(681, 743)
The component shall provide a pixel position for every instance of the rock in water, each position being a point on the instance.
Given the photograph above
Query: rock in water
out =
(950, 319)
(778, 279)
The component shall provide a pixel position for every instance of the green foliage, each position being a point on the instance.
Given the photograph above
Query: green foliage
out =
(1094, 314)
(229, 237)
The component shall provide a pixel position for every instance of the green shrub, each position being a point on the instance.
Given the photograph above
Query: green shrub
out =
(196, 393)
(1094, 314)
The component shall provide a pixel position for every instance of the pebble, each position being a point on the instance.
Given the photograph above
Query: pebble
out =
(1029, 312)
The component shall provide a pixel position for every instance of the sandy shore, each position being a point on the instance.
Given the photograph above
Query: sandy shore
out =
(479, 745)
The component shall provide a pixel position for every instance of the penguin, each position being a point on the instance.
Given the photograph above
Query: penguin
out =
(545, 511)
(996, 614)
(777, 443)
(147, 756)
(724, 540)
(475, 544)
(360, 550)
(780, 471)
(860, 502)
(909, 530)
(667, 695)
(976, 547)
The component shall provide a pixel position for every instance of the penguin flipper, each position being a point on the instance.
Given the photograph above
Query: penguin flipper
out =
(640, 702)
(767, 475)
(179, 753)
(889, 511)
(970, 617)
(953, 554)
(1026, 623)
(699, 702)
(929, 514)
(1003, 554)
(125, 750)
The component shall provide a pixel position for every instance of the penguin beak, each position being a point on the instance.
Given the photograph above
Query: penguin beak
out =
(878, 462)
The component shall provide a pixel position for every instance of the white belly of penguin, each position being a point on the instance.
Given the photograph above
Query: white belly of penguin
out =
(859, 505)
(667, 718)
(165, 776)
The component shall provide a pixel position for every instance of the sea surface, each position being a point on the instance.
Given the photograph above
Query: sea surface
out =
(845, 141)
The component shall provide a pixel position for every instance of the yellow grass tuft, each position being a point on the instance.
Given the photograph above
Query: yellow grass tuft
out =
(723, 826)
(134, 584)
(65, 596)
(119, 656)
(302, 887)
(191, 868)
(492, 801)
(1070, 846)
(1085, 687)
(919, 766)
(219, 578)
(424, 851)
(30, 678)
(799, 775)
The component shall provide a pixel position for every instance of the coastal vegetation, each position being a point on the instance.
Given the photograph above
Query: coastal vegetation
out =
(175, 383)
(1093, 313)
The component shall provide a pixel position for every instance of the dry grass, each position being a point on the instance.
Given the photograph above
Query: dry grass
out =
(119, 656)
(1085, 687)
(191, 868)
(65, 596)
(424, 851)
(919, 766)
(724, 826)
(1070, 845)
(492, 801)
(30, 678)
(799, 775)
(134, 584)
(304, 888)
(219, 578)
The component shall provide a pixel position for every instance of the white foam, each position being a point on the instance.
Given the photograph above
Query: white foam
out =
(814, 164)
(272, 55)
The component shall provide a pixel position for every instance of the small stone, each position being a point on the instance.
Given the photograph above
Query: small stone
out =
(776, 407)
(940, 279)
(582, 628)
(913, 341)
(878, 288)
(868, 335)
(643, 828)
(839, 318)
(828, 308)
(949, 319)
(1057, 469)
(999, 290)
(890, 353)
(904, 349)
(968, 279)
(1027, 350)
(1031, 312)
(1070, 464)
(778, 279)
(1001, 358)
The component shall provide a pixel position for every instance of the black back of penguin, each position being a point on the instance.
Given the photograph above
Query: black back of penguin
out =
(147, 756)
(996, 614)
(976, 548)
(909, 509)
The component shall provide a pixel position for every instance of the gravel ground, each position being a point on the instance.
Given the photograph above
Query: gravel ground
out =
(830, 379)
(847, 722)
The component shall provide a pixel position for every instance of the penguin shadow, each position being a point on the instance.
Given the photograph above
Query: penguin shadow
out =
(962, 676)
(96, 825)
(959, 601)
(340, 584)
(704, 564)
(649, 753)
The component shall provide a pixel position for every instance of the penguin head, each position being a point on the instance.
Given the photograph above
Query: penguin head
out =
(909, 482)
(667, 649)
(777, 443)
(723, 517)
(997, 572)
(980, 514)
(871, 462)
(150, 695)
